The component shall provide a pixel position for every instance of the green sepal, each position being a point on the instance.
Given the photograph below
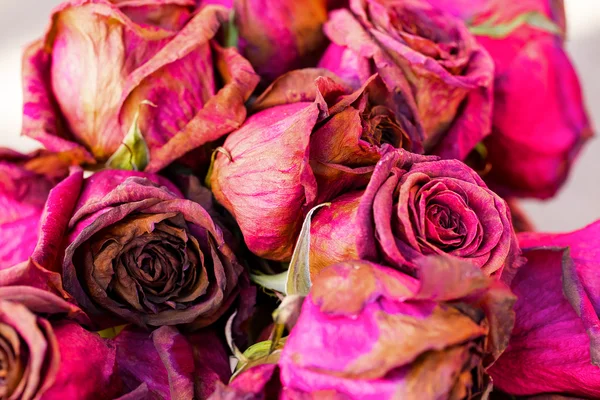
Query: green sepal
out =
(133, 153)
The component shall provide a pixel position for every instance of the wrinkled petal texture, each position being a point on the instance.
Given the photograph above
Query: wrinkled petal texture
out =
(445, 76)
(172, 365)
(134, 249)
(291, 154)
(554, 347)
(535, 139)
(356, 312)
(280, 36)
(25, 181)
(414, 206)
(29, 353)
(157, 53)
(265, 180)
(88, 368)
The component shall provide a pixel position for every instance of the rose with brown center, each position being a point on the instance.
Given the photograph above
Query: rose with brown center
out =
(429, 56)
(137, 250)
(409, 209)
(44, 351)
(310, 139)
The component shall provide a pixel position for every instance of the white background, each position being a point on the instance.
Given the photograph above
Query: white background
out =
(22, 21)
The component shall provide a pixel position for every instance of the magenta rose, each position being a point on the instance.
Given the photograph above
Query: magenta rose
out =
(44, 352)
(555, 345)
(280, 36)
(535, 138)
(131, 248)
(388, 336)
(305, 145)
(424, 53)
(409, 209)
(171, 365)
(86, 81)
(25, 181)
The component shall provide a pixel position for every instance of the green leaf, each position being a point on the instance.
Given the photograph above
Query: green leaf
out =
(258, 354)
(298, 278)
(232, 34)
(499, 31)
(111, 333)
(273, 282)
(133, 153)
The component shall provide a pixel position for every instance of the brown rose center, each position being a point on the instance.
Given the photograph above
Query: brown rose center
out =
(380, 126)
(149, 262)
(11, 366)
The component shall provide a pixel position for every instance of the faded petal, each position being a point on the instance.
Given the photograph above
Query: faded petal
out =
(554, 345)
(289, 31)
(25, 181)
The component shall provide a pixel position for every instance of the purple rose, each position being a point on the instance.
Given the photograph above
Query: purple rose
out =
(132, 248)
(85, 82)
(370, 332)
(427, 55)
(305, 145)
(25, 181)
(409, 209)
(171, 365)
(44, 352)
(555, 345)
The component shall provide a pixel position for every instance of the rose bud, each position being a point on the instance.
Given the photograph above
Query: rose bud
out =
(535, 139)
(295, 153)
(160, 77)
(172, 366)
(370, 332)
(132, 248)
(427, 55)
(280, 36)
(555, 345)
(409, 209)
(25, 181)
(44, 356)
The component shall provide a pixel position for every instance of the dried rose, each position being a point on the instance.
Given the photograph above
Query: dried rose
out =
(370, 332)
(170, 364)
(409, 209)
(535, 138)
(85, 81)
(45, 356)
(131, 248)
(295, 153)
(280, 36)
(25, 181)
(555, 346)
(426, 54)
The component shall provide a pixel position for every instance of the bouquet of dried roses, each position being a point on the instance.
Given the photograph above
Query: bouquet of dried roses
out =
(296, 199)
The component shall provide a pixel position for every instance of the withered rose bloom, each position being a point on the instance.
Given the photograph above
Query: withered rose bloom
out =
(44, 352)
(389, 336)
(540, 122)
(280, 36)
(305, 145)
(425, 53)
(25, 181)
(409, 209)
(555, 345)
(196, 362)
(86, 80)
(131, 248)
